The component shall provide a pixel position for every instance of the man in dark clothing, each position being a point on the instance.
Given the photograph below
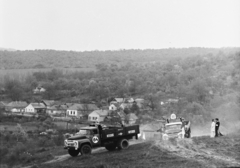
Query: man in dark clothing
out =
(217, 125)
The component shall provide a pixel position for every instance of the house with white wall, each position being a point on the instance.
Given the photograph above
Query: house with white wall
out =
(16, 106)
(35, 108)
(113, 107)
(79, 110)
(98, 115)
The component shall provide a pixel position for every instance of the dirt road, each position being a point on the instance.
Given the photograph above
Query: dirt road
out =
(67, 156)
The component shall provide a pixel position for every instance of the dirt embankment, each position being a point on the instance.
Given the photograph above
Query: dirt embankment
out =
(211, 152)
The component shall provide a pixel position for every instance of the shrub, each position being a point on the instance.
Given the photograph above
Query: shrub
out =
(58, 139)
(3, 151)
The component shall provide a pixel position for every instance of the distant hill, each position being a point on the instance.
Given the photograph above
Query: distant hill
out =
(6, 49)
(88, 59)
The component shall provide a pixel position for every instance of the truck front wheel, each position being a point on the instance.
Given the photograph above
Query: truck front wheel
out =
(73, 153)
(86, 149)
(123, 144)
(111, 147)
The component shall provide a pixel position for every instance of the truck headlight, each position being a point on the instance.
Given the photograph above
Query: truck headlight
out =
(65, 143)
(165, 137)
(76, 144)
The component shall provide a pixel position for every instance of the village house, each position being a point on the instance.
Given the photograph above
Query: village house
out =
(113, 106)
(128, 103)
(79, 110)
(125, 106)
(48, 103)
(119, 100)
(16, 106)
(35, 108)
(58, 110)
(98, 115)
(38, 90)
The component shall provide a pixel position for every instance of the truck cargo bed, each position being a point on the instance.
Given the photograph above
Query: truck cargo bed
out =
(114, 132)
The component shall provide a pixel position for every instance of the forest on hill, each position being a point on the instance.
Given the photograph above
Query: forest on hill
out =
(39, 59)
(205, 83)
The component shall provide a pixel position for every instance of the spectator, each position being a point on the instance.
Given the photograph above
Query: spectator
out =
(212, 135)
(217, 125)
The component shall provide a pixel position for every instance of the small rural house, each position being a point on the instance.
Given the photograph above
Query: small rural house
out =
(140, 103)
(131, 118)
(58, 110)
(98, 115)
(125, 105)
(48, 103)
(113, 106)
(79, 110)
(35, 108)
(119, 100)
(39, 89)
(74, 111)
(16, 106)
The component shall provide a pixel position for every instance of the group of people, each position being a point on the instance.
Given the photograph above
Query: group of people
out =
(215, 132)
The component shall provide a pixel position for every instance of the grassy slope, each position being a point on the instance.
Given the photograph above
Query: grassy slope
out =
(196, 152)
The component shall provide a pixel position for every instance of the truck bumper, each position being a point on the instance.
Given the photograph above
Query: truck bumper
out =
(68, 147)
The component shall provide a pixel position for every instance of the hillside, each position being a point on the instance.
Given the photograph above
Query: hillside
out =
(206, 85)
(39, 59)
(7, 49)
(196, 152)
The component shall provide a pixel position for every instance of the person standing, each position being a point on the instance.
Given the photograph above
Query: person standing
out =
(212, 135)
(217, 125)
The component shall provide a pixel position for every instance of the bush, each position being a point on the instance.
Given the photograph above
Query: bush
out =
(58, 139)
(3, 151)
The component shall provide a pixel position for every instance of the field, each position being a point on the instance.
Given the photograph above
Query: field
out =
(196, 152)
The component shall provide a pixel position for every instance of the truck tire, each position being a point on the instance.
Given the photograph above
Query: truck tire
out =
(111, 147)
(73, 153)
(86, 149)
(123, 144)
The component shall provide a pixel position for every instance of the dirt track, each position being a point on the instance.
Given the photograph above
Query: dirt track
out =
(97, 150)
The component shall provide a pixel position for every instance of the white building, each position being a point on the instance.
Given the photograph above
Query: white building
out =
(98, 115)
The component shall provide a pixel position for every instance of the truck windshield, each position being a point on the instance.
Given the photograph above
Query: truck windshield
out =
(84, 132)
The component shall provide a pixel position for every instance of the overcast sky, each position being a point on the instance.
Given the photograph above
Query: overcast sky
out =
(118, 24)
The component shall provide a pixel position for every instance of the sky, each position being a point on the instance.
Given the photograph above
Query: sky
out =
(84, 25)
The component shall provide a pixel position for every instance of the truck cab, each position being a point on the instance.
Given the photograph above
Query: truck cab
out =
(172, 130)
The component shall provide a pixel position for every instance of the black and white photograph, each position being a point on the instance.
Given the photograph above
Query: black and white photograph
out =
(119, 83)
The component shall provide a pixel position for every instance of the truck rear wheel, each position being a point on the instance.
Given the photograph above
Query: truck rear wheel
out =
(86, 149)
(123, 144)
(73, 153)
(111, 147)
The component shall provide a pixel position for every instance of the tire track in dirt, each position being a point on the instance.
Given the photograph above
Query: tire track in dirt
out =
(186, 148)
